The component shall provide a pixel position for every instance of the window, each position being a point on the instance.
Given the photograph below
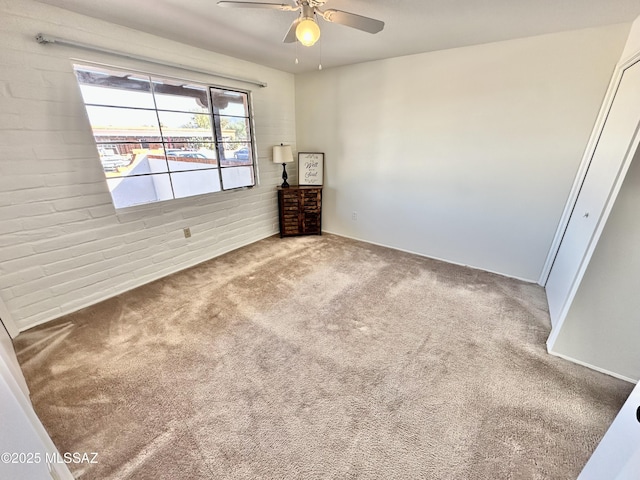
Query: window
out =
(160, 139)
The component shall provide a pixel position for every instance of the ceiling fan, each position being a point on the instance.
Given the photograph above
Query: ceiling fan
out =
(305, 28)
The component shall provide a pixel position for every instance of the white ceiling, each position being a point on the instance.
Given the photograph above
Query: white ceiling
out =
(411, 26)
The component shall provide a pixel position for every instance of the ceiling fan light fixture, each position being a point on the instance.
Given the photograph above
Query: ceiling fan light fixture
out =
(307, 31)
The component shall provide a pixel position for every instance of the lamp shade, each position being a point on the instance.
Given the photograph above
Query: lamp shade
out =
(307, 32)
(282, 154)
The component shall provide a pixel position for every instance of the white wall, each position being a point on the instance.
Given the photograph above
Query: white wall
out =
(62, 245)
(632, 46)
(602, 328)
(466, 155)
(21, 430)
(6, 320)
(8, 356)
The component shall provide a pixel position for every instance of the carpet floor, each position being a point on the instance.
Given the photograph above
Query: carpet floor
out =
(318, 358)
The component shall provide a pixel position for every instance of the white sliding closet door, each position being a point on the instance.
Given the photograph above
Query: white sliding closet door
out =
(607, 162)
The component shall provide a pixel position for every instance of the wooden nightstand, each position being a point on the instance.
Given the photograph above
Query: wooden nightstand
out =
(300, 210)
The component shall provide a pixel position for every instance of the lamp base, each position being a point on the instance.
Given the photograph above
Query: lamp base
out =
(284, 176)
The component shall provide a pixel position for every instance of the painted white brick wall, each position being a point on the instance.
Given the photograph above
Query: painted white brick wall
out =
(63, 246)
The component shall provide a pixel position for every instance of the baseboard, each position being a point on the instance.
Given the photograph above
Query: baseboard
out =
(592, 367)
(33, 324)
(527, 280)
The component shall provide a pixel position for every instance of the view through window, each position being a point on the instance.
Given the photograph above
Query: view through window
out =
(160, 139)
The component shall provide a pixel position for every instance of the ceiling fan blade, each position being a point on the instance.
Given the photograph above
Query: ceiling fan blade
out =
(290, 37)
(273, 6)
(365, 24)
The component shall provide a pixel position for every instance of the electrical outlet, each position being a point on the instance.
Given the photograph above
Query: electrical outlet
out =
(354, 216)
(187, 232)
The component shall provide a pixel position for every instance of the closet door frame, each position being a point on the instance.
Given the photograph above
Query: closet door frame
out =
(7, 320)
(575, 191)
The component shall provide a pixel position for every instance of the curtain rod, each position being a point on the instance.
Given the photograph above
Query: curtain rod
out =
(46, 39)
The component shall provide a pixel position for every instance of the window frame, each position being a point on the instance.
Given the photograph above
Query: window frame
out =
(218, 140)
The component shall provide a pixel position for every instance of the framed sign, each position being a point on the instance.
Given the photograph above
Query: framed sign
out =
(310, 168)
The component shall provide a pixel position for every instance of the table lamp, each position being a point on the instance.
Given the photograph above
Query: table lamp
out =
(282, 154)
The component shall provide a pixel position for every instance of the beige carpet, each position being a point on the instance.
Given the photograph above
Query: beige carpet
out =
(318, 358)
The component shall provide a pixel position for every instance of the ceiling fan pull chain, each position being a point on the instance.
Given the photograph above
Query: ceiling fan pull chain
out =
(320, 48)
